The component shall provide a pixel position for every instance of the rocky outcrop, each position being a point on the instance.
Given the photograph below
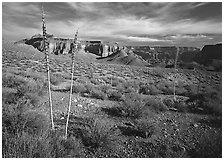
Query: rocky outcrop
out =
(211, 57)
(125, 57)
(66, 45)
(210, 52)
(159, 54)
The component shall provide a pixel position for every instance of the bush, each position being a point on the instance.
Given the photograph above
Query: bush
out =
(178, 105)
(32, 91)
(99, 134)
(17, 118)
(23, 88)
(208, 103)
(132, 84)
(95, 93)
(145, 126)
(95, 81)
(149, 90)
(156, 106)
(89, 88)
(104, 88)
(56, 78)
(26, 134)
(131, 106)
(78, 88)
(114, 95)
(12, 81)
(46, 145)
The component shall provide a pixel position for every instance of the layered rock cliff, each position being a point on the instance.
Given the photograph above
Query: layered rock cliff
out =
(66, 45)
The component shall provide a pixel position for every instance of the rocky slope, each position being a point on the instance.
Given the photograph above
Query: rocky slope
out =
(124, 57)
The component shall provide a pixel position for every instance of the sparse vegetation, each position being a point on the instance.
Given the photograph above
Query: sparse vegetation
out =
(134, 116)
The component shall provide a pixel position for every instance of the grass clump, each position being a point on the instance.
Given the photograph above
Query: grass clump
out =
(17, 87)
(114, 95)
(26, 134)
(155, 106)
(12, 81)
(149, 89)
(56, 78)
(78, 88)
(98, 94)
(131, 106)
(97, 135)
(19, 117)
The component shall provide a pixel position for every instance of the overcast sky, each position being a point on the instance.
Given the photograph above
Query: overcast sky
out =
(150, 23)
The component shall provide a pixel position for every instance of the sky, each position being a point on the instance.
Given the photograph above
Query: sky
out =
(128, 23)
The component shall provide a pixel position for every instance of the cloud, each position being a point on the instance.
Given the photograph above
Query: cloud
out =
(163, 23)
(146, 39)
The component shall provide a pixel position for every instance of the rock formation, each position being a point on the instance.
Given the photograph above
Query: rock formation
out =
(211, 57)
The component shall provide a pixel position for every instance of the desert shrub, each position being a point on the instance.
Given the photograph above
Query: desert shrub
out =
(98, 94)
(209, 103)
(120, 88)
(82, 80)
(27, 134)
(23, 88)
(191, 90)
(12, 81)
(89, 88)
(132, 106)
(9, 95)
(149, 90)
(78, 88)
(46, 145)
(99, 134)
(158, 72)
(155, 105)
(106, 79)
(181, 90)
(32, 91)
(138, 128)
(114, 95)
(17, 118)
(95, 81)
(178, 105)
(145, 126)
(165, 87)
(130, 86)
(104, 88)
(56, 78)
(31, 74)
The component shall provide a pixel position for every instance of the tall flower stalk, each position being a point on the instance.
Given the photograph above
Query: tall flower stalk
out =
(70, 95)
(45, 50)
(175, 74)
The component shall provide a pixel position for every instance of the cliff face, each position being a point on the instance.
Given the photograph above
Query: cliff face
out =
(65, 45)
(211, 57)
(55, 45)
(210, 52)
(165, 54)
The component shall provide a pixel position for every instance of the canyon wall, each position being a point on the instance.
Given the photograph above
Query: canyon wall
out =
(66, 45)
